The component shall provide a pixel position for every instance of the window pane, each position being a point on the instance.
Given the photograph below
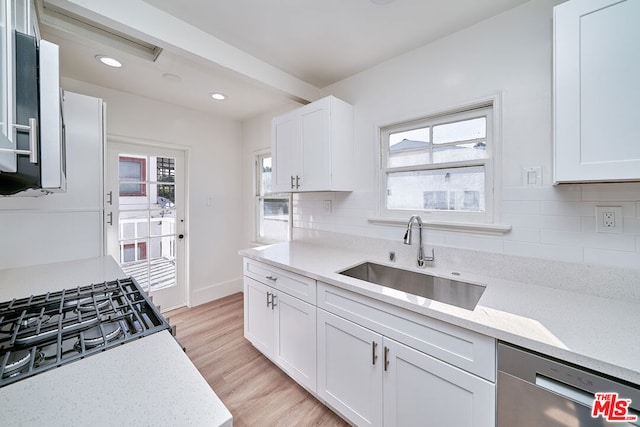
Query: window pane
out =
(408, 148)
(453, 189)
(162, 222)
(274, 219)
(460, 131)
(131, 173)
(265, 176)
(134, 224)
(459, 152)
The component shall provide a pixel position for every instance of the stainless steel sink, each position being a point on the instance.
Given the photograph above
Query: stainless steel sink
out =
(461, 294)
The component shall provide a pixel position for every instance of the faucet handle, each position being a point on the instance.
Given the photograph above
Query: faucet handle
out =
(431, 258)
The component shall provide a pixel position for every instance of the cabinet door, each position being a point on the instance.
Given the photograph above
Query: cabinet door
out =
(596, 88)
(285, 151)
(315, 122)
(259, 323)
(420, 390)
(295, 349)
(350, 369)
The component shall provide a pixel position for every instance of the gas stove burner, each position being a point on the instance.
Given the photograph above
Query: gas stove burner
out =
(89, 304)
(18, 360)
(93, 337)
(29, 321)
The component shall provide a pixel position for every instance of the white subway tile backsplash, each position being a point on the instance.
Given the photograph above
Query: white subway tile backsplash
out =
(462, 240)
(547, 222)
(546, 251)
(621, 192)
(567, 208)
(618, 242)
(564, 193)
(522, 220)
(631, 225)
(522, 234)
(612, 258)
(527, 207)
(565, 238)
(560, 223)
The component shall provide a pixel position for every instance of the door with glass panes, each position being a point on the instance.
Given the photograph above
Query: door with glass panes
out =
(145, 218)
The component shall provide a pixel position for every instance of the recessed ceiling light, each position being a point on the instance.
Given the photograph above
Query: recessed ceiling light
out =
(218, 96)
(174, 78)
(107, 60)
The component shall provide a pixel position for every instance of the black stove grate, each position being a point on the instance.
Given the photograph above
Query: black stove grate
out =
(45, 331)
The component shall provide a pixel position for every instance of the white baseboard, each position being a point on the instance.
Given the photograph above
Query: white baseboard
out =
(215, 291)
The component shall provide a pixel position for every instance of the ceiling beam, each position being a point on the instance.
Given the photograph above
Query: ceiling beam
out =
(141, 20)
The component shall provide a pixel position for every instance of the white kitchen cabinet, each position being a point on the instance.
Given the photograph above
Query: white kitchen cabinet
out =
(422, 390)
(279, 325)
(596, 91)
(259, 319)
(312, 147)
(373, 380)
(63, 226)
(295, 339)
(350, 369)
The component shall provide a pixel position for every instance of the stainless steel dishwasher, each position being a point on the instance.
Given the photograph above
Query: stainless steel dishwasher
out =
(536, 391)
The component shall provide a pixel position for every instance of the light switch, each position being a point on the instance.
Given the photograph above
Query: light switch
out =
(532, 176)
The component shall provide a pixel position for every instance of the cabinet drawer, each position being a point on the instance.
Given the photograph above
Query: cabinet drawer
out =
(293, 284)
(460, 347)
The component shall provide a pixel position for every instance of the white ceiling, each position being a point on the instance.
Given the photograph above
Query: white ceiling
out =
(312, 42)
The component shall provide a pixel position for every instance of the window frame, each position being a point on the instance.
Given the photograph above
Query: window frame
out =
(258, 198)
(488, 108)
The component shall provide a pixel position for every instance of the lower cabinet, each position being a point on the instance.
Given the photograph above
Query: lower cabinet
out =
(350, 369)
(283, 328)
(374, 363)
(373, 380)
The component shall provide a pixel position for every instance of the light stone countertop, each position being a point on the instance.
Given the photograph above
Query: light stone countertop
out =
(591, 331)
(149, 381)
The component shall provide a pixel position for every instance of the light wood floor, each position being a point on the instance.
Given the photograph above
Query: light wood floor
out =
(255, 391)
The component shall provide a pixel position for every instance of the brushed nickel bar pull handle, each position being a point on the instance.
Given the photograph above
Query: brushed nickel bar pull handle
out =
(374, 356)
(269, 298)
(297, 182)
(292, 186)
(386, 358)
(274, 278)
(110, 215)
(110, 201)
(32, 129)
(273, 301)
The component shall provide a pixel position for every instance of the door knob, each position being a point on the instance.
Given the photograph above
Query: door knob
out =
(180, 236)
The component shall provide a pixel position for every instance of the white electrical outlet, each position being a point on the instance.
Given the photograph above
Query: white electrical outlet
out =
(609, 219)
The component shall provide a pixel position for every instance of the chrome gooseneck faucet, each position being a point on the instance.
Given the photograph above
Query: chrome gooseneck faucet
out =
(407, 241)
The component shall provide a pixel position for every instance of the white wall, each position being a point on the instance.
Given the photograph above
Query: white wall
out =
(509, 55)
(214, 178)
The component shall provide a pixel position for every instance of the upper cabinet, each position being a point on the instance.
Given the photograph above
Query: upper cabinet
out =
(312, 147)
(596, 91)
